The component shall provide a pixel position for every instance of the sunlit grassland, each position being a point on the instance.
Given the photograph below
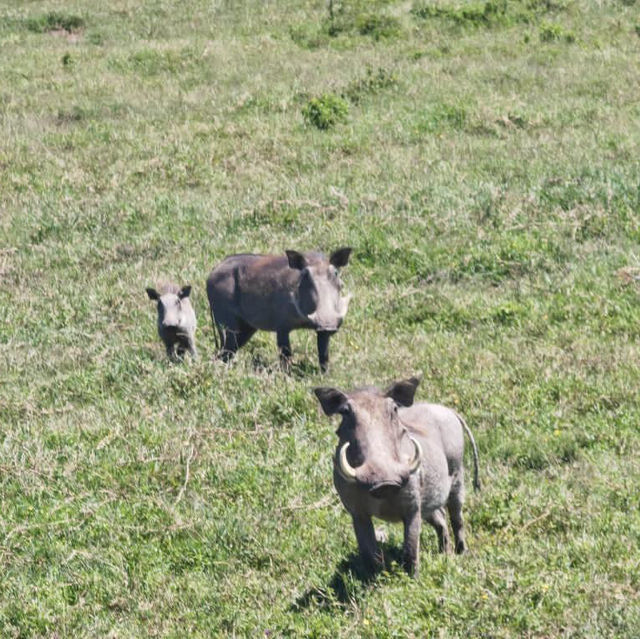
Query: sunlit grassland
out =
(487, 176)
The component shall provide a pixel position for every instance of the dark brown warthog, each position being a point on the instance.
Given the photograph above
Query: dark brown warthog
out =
(399, 462)
(277, 293)
(176, 319)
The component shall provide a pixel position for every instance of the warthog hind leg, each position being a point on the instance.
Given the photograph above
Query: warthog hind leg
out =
(454, 506)
(233, 339)
(438, 520)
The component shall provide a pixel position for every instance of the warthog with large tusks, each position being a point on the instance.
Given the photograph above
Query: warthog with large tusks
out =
(176, 319)
(399, 461)
(277, 293)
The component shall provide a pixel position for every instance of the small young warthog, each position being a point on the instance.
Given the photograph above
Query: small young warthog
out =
(250, 292)
(399, 462)
(176, 319)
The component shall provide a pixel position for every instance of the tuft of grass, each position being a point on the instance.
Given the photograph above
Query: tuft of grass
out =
(55, 20)
(372, 82)
(344, 23)
(378, 26)
(491, 12)
(552, 31)
(309, 36)
(153, 62)
(442, 116)
(95, 37)
(488, 14)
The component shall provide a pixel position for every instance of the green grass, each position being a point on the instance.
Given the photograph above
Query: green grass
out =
(487, 176)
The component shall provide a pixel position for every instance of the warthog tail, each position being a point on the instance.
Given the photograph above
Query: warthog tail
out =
(476, 481)
(215, 329)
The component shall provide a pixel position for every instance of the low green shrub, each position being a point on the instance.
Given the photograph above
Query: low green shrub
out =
(325, 111)
(492, 11)
(348, 21)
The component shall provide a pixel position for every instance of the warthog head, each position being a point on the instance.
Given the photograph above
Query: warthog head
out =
(171, 316)
(375, 450)
(318, 297)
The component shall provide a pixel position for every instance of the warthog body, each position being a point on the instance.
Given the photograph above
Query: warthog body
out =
(401, 462)
(176, 319)
(277, 293)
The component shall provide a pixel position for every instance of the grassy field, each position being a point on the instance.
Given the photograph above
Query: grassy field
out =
(483, 161)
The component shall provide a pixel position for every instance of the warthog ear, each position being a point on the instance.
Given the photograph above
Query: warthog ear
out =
(185, 291)
(402, 392)
(340, 257)
(153, 294)
(296, 260)
(331, 399)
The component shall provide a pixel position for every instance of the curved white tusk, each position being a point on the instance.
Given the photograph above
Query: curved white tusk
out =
(346, 470)
(417, 459)
(295, 304)
(344, 305)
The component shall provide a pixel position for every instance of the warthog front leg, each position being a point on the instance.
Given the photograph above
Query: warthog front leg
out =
(186, 344)
(171, 351)
(367, 544)
(323, 349)
(411, 557)
(284, 347)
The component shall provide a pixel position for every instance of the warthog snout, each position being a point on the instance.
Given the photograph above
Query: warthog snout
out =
(369, 476)
(331, 331)
(386, 489)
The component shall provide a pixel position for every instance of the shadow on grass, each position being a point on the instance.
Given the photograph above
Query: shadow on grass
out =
(300, 370)
(304, 368)
(349, 584)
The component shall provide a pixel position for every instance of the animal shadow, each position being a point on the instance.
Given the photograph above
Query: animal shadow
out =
(261, 364)
(350, 582)
(298, 369)
(303, 369)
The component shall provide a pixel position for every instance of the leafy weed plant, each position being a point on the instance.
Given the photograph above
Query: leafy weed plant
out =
(325, 111)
